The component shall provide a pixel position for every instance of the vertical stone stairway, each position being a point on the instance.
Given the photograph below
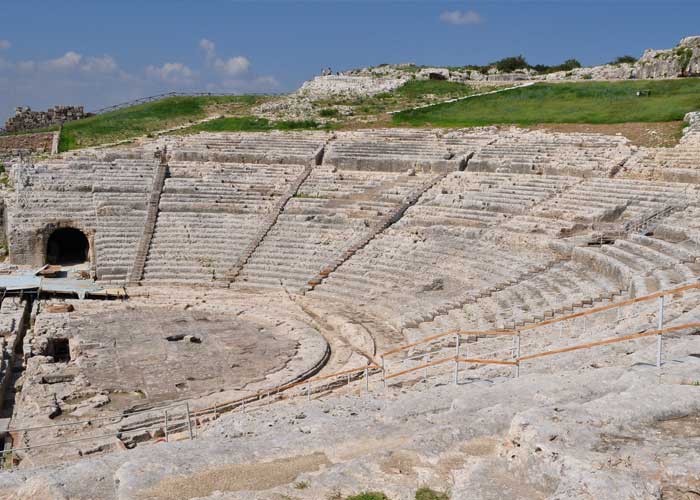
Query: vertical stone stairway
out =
(268, 223)
(150, 223)
(380, 226)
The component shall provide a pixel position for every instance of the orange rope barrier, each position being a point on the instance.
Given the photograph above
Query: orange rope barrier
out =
(613, 340)
(495, 332)
(487, 361)
(426, 365)
(447, 334)
(615, 305)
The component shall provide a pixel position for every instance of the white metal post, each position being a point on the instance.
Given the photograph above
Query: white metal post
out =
(456, 377)
(517, 354)
(383, 373)
(426, 358)
(189, 421)
(659, 337)
(165, 413)
(367, 380)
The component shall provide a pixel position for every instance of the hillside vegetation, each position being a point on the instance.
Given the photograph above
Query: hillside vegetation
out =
(374, 108)
(142, 119)
(584, 102)
(544, 103)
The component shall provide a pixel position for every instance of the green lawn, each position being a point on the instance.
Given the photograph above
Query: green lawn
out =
(585, 102)
(413, 89)
(411, 93)
(249, 124)
(138, 120)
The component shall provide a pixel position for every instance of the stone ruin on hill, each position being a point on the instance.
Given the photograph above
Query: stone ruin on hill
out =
(26, 119)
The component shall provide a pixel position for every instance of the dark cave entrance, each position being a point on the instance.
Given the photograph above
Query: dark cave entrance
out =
(67, 246)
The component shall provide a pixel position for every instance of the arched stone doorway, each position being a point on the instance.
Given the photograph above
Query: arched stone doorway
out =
(67, 246)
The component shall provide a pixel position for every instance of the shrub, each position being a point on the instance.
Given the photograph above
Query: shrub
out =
(624, 60)
(684, 55)
(329, 112)
(510, 64)
(567, 65)
(296, 125)
(370, 495)
(428, 494)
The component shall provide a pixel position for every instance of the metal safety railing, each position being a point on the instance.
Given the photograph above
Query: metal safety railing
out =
(170, 421)
(513, 354)
(163, 423)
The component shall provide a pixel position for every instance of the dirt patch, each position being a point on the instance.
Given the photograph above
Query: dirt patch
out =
(480, 447)
(656, 134)
(685, 427)
(614, 442)
(236, 477)
(400, 462)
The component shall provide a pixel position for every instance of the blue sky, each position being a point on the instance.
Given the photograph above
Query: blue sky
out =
(101, 53)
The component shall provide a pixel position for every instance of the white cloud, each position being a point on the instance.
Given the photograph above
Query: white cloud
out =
(5, 44)
(104, 64)
(461, 18)
(97, 80)
(175, 73)
(233, 67)
(208, 47)
(69, 60)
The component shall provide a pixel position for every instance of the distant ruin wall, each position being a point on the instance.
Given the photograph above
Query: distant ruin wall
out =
(31, 143)
(26, 119)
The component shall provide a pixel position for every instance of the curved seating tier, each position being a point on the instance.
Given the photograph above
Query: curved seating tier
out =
(333, 208)
(680, 163)
(410, 273)
(209, 214)
(536, 152)
(296, 148)
(399, 150)
(641, 263)
(483, 199)
(600, 199)
(560, 289)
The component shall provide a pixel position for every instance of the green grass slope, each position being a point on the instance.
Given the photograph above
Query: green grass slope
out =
(139, 120)
(249, 124)
(584, 102)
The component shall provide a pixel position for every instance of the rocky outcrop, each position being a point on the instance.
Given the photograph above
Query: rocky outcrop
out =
(680, 61)
(26, 119)
(348, 86)
(683, 60)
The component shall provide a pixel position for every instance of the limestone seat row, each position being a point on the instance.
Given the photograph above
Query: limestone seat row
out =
(600, 199)
(209, 214)
(642, 264)
(333, 208)
(410, 273)
(561, 289)
(398, 150)
(266, 148)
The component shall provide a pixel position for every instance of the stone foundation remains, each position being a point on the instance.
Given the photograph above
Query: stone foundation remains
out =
(26, 119)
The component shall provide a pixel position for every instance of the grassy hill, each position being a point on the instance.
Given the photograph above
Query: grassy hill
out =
(142, 119)
(583, 102)
(544, 103)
